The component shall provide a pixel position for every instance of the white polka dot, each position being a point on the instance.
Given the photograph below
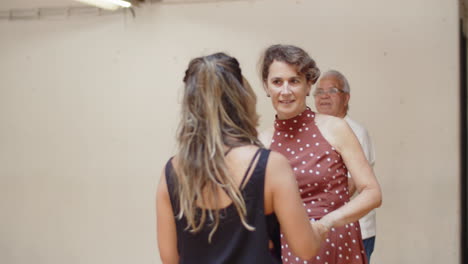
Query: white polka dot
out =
(314, 135)
(303, 162)
(328, 252)
(301, 149)
(318, 257)
(295, 121)
(292, 152)
(288, 149)
(311, 154)
(290, 128)
(278, 133)
(307, 128)
(279, 144)
(316, 144)
(318, 165)
(302, 171)
(295, 169)
(298, 140)
(300, 129)
(326, 152)
(307, 145)
(291, 136)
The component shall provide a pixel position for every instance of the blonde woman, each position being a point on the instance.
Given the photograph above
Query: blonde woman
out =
(221, 193)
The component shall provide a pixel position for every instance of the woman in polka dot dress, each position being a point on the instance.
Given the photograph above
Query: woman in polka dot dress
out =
(321, 149)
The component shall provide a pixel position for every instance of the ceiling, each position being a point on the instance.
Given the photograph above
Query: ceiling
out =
(32, 4)
(20, 4)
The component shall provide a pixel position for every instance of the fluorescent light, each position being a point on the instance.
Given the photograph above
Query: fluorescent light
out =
(107, 4)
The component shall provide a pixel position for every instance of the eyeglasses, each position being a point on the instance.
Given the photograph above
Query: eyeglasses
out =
(331, 91)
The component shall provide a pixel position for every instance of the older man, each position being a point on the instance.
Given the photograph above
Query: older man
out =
(332, 96)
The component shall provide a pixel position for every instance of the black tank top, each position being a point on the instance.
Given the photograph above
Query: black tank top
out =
(232, 243)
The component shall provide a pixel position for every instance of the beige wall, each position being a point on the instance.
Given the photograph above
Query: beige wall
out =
(89, 107)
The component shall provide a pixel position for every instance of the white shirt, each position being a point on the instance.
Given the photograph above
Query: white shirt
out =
(367, 222)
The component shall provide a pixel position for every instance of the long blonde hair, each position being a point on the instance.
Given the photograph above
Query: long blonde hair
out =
(218, 110)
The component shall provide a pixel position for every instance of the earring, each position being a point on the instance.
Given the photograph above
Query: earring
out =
(268, 95)
(308, 93)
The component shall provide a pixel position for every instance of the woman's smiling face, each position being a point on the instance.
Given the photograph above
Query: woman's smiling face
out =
(287, 88)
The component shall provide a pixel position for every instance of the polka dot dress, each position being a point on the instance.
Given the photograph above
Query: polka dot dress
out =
(323, 184)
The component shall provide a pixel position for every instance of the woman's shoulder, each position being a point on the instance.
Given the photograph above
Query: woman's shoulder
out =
(329, 121)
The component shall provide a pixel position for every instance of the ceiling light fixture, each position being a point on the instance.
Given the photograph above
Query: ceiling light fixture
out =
(107, 4)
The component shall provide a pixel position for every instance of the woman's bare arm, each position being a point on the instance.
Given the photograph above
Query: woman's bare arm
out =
(340, 135)
(166, 228)
(303, 237)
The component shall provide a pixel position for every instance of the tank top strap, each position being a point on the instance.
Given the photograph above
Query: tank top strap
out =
(249, 168)
(258, 175)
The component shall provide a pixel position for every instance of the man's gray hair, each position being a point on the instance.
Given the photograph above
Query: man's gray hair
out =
(340, 77)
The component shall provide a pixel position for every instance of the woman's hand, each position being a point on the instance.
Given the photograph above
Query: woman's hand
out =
(321, 229)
